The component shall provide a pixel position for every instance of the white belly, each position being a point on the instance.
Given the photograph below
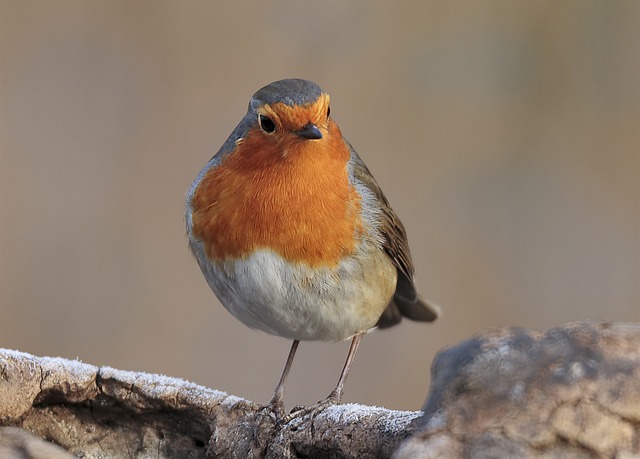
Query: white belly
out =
(294, 301)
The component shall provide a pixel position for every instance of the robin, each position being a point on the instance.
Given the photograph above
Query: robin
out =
(294, 235)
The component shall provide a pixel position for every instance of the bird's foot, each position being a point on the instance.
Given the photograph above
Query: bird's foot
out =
(299, 410)
(275, 407)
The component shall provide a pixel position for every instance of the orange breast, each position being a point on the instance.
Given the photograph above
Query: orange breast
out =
(291, 196)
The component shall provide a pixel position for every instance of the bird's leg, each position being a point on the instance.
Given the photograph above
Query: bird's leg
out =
(336, 394)
(263, 430)
(276, 404)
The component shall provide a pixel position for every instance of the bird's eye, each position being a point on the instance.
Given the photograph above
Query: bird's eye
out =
(328, 111)
(266, 124)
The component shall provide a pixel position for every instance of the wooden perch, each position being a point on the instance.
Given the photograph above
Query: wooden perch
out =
(571, 391)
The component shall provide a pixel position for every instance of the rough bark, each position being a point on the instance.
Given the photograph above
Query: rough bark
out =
(573, 391)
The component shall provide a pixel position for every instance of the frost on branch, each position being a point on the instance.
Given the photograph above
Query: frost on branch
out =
(573, 391)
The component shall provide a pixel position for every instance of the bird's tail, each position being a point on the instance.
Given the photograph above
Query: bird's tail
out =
(419, 310)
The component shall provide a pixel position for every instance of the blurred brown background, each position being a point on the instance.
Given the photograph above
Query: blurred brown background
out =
(505, 134)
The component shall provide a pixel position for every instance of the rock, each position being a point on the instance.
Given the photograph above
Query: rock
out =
(573, 391)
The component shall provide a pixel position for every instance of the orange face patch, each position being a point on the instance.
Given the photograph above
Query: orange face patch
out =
(282, 193)
(293, 118)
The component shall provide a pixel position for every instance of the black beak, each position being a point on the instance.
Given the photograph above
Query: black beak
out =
(309, 131)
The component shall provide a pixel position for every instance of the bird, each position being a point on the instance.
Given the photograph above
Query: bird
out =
(294, 235)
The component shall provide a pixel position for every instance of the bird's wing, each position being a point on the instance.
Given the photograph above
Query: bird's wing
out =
(394, 236)
(394, 242)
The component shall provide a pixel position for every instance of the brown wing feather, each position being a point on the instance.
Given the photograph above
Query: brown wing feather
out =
(405, 301)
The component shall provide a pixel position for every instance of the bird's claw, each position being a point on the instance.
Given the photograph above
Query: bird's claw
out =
(276, 406)
(301, 410)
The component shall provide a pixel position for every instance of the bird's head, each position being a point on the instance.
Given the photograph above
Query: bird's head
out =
(290, 115)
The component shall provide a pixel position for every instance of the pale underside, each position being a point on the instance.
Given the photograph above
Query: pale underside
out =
(291, 300)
